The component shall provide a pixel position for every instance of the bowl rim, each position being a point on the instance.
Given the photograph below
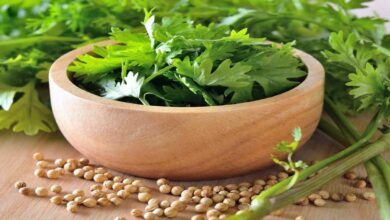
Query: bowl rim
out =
(58, 77)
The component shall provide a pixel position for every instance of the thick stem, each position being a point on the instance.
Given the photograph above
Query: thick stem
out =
(333, 132)
(262, 206)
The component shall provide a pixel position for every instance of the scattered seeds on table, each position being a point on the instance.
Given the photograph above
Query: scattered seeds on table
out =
(170, 212)
(109, 175)
(136, 213)
(25, 191)
(350, 197)
(20, 184)
(144, 197)
(38, 156)
(370, 196)
(56, 188)
(41, 191)
(196, 199)
(57, 200)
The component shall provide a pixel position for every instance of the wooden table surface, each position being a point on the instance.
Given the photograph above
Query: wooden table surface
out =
(16, 163)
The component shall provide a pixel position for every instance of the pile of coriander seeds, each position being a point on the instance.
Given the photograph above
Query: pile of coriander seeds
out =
(208, 202)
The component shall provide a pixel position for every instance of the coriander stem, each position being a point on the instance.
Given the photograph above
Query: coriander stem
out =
(159, 72)
(332, 131)
(42, 39)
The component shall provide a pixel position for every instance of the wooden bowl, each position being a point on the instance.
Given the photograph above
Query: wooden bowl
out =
(183, 143)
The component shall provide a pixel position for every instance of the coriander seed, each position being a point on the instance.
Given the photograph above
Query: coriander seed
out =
(103, 202)
(20, 184)
(165, 189)
(72, 208)
(158, 212)
(39, 172)
(52, 174)
(165, 204)
(116, 201)
(361, 184)
(136, 213)
(41, 191)
(337, 197)
(56, 188)
(99, 178)
(178, 205)
(57, 200)
(90, 202)
(38, 156)
(59, 162)
(177, 190)
(162, 181)
(202, 208)
(25, 191)
(170, 212)
(78, 172)
(319, 202)
(144, 197)
(350, 197)
(197, 217)
(370, 196)
(149, 216)
(83, 161)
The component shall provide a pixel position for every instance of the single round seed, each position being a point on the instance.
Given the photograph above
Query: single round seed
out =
(60, 170)
(206, 201)
(260, 182)
(117, 186)
(56, 188)
(185, 199)
(177, 190)
(234, 196)
(170, 212)
(159, 212)
(70, 167)
(78, 172)
(154, 202)
(196, 199)
(109, 175)
(272, 182)
(324, 194)
(256, 189)
(143, 189)
(52, 174)
(162, 181)
(231, 187)
(197, 217)
(282, 175)
(244, 200)
(79, 199)
(370, 196)
(351, 175)
(313, 197)
(87, 168)
(136, 213)
(165, 189)
(247, 184)
(201, 208)
(246, 194)
(165, 204)
(223, 216)
(243, 206)
(361, 184)
(116, 201)
(213, 218)
(208, 192)
(25, 191)
(90, 202)
(111, 195)
(108, 184)
(336, 197)
(213, 213)
(57, 200)
(303, 201)
(187, 193)
(72, 208)
(131, 189)
(350, 197)
(69, 197)
(198, 192)
(230, 202)
(149, 216)
(59, 162)
(99, 178)
(222, 207)
(319, 202)
(20, 184)
(300, 218)
(138, 183)
(178, 205)
(118, 179)
(127, 181)
(78, 192)
(96, 187)
(71, 203)
(83, 161)
(119, 218)
(41, 191)
(100, 170)
(39, 172)
(38, 156)
(123, 194)
(103, 202)
(218, 198)
(144, 197)
(88, 175)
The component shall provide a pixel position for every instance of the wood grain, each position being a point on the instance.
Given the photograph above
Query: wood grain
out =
(16, 163)
(175, 142)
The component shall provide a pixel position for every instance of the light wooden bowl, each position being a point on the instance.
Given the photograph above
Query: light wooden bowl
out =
(183, 143)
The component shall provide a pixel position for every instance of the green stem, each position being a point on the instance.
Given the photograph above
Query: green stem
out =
(42, 39)
(261, 206)
(158, 73)
(385, 169)
(333, 132)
